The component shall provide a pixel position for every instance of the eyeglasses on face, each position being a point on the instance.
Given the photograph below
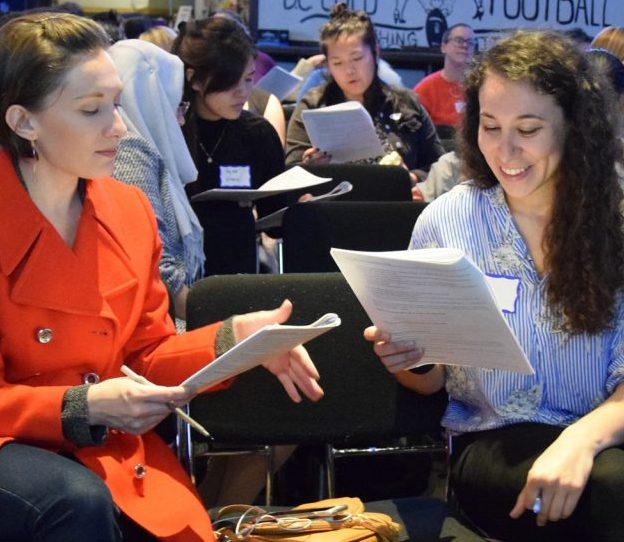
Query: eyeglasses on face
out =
(469, 42)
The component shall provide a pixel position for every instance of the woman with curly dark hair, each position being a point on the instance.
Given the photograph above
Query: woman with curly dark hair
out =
(543, 208)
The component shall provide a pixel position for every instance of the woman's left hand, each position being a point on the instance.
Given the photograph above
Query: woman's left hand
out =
(294, 369)
(558, 477)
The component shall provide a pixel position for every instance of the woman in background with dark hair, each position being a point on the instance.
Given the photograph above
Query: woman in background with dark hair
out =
(349, 42)
(232, 148)
(260, 101)
(536, 457)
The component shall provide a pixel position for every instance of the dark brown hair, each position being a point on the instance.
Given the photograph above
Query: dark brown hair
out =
(584, 242)
(36, 52)
(343, 21)
(218, 49)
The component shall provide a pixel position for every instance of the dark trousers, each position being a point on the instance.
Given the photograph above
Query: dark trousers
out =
(51, 498)
(489, 469)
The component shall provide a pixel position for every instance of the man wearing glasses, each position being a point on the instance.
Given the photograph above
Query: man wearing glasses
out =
(441, 92)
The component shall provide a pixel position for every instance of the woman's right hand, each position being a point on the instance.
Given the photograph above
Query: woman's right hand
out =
(121, 403)
(396, 356)
(315, 156)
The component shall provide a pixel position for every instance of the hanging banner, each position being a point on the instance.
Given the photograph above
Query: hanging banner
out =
(403, 24)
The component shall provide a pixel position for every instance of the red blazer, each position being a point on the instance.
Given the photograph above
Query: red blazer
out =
(66, 312)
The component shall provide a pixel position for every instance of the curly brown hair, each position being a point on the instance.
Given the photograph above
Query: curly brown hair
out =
(584, 241)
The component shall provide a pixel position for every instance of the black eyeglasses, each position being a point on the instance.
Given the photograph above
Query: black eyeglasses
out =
(470, 42)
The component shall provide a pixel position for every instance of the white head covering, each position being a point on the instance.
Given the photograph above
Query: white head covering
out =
(153, 82)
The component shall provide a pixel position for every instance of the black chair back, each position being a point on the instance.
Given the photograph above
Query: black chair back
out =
(309, 230)
(362, 401)
(370, 182)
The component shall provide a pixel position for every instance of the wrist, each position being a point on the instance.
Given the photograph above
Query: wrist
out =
(577, 437)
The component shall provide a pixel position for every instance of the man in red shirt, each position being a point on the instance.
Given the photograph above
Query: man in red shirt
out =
(441, 92)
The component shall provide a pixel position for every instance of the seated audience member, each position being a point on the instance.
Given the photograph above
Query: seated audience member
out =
(135, 26)
(261, 102)
(265, 104)
(349, 42)
(303, 68)
(610, 38)
(441, 92)
(232, 148)
(536, 457)
(153, 156)
(160, 35)
(81, 295)
(443, 175)
(319, 74)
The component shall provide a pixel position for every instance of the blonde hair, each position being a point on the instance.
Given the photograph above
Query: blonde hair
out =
(160, 35)
(611, 39)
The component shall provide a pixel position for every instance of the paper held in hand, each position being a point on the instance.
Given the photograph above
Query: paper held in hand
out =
(345, 130)
(279, 82)
(439, 299)
(294, 178)
(265, 343)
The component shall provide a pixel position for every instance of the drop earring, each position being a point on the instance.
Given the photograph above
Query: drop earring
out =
(35, 156)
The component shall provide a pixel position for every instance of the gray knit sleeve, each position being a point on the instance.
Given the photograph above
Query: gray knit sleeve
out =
(75, 419)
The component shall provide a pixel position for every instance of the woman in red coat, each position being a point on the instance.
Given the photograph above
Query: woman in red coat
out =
(80, 295)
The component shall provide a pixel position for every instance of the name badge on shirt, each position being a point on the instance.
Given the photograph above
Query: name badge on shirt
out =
(505, 290)
(234, 177)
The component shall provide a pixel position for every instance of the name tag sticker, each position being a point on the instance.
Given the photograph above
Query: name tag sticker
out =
(505, 290)
(234, 177)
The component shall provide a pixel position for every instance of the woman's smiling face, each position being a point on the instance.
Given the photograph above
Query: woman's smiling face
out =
(521, 136)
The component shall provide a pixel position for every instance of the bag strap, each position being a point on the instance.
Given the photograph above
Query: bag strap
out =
(351, 515)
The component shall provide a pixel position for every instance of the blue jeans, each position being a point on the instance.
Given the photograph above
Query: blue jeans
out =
(47, 497)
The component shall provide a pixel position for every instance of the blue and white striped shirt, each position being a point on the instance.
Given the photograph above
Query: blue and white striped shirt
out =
(573, 373)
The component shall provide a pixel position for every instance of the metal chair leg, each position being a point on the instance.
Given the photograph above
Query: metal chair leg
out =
(330, 475)
(268, 488)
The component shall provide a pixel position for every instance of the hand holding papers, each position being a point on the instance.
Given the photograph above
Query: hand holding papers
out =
(332, 129)
(268, 341)
(292, 179)
(178, 411)
(279, 82)
(437, 298)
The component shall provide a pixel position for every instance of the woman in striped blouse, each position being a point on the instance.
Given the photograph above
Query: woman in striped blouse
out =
(536, 457)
